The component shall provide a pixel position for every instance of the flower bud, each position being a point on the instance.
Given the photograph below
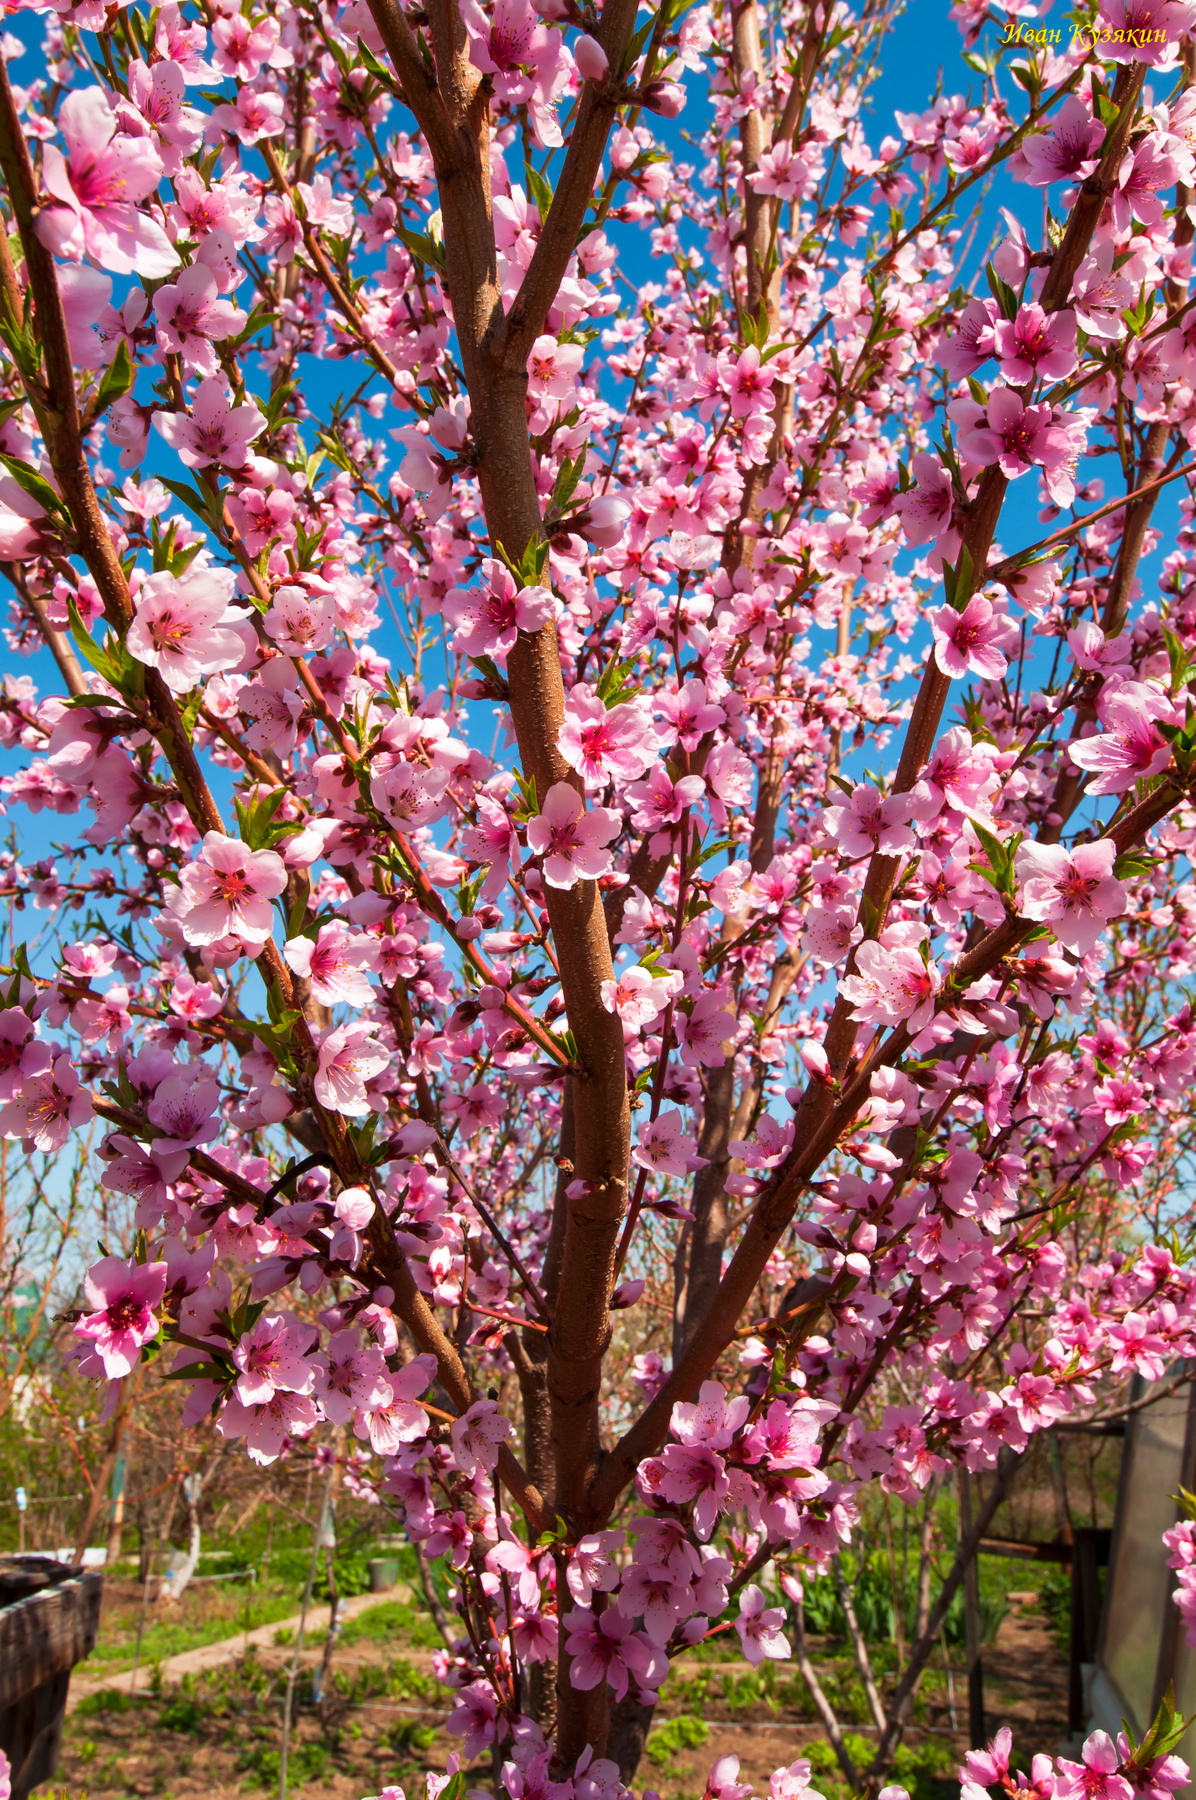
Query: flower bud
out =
(665, 97)
(605, 521)
(592, 61)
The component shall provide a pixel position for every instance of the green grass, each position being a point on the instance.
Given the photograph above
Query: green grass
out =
(306, 1762)
(163, 1638)
(685, 1733)
(922, 1769)
(392, 1619)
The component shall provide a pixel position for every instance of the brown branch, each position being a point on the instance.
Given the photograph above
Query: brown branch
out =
(822, 1118)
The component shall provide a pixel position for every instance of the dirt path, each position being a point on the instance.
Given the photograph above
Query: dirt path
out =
(211, 1656)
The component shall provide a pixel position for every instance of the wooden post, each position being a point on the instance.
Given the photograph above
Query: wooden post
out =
(977, 1733)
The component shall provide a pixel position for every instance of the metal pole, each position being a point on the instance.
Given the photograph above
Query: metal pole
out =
(971, 1621)
(316, 1546)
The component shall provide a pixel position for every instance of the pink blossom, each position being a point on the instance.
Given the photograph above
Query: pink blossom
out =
(194, 1000)
(554, 369)
(260, 516)
(759, 1627)
(604, 521)
(215, 431)
(591, 1567)
(781, 171)
(349, 1057)
(241, 48)
(925, 509)
(605, 743)
(184, 1106)
(1137, 1349)
(20, 1053)
(181, 626)
(476, 1719)
(334, 963)
(663, 1147)
(155, 109)
(699, 1475)
(1131, 747)
(478, 1436)
(1074, 891)
(750, 381)
(703, 1031)
(479, 1108)
(972, 640)
(1095, 1777)
(488, 619)
(1068, 152)
(1147, 169)
(660, 1594)
(637, 996)
(687, 714)
(94, 191)
(1036, 344)
(353, 1375)
(988, 1768)
(1006, 432)
(427, 466)
(300, 621)
(267, 1428)
(255, 114)
(870, 821)
(793, 1783)
(123, 1296)
(606, 1648)
(891, 984)
(227, 893)
(660, 800)
(192, 319)
(571, 839)
(956, 776)
(273, 1356)
(1100, 296)
(50, 1105)
(723, 1782)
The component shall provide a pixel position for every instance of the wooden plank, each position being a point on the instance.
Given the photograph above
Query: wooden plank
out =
(1052, 1553)
(47, 1633)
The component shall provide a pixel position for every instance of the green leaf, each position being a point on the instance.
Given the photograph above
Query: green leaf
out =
(567, 478)
(635, 47)
(37, 487)
(486, 665)
(529, 804)
(949, 581)
(257, 818)
(963, 578)
(118, 379)
(540, 191)
(425, 248)
(98, 655)
(192, 500)
(1133, 865)
(709, 850)
(1001, 292)
(613, 685)
(377, 69)
(278, 399)
(201, 1371)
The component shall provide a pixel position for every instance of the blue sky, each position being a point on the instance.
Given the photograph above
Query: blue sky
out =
(922, 41)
